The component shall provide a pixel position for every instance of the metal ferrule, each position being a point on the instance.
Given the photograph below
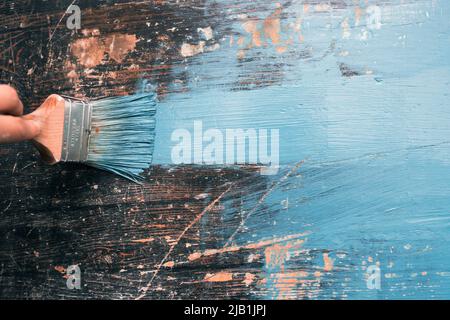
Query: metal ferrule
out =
(77, 130)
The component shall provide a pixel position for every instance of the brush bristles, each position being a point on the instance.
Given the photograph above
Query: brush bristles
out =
(123, 134)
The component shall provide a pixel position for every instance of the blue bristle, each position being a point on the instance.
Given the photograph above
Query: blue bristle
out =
(123, 134)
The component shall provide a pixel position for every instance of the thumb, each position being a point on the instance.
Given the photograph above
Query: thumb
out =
(9, 101)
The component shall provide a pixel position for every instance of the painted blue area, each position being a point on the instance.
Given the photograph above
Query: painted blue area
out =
(376, 146)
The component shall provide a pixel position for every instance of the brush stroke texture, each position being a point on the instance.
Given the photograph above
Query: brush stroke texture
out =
(375, 141)
(364, 154)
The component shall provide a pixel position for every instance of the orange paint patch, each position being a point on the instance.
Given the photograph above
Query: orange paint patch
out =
(218, 277)
(146, 240)
(72, 75)
(91, 51)
(124, 254)
(169, 264)
(305, 8)
(159, 225)
(272, 26)
(118, 45)
(251, 27)
(263, 31)
(286, 285)
(249, 278)
(189, 50)
(194, 256)
(258, 245)
(276, 255)
(60, 269)
(328, 263)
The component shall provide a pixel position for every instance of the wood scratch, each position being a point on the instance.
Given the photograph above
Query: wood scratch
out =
(261, 200)
(59, 22)
(7, 207)
(30, 164)
(173, 245)
(15, 262)
(15, 163)
(11, 46)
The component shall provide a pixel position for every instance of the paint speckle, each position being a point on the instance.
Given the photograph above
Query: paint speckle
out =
(218, 277)
(189, 50)
(249, 278)
(206, 32)
(169, 264)
(328, 263)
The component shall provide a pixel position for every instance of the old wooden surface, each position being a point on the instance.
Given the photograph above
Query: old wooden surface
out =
(124, 237)
(218, 232)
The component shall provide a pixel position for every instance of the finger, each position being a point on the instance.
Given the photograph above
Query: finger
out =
(9, 101)
(16, 129)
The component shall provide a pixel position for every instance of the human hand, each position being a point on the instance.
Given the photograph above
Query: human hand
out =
(14, 127)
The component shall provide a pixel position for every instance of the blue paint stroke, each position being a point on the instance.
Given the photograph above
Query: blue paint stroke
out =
(375, 184)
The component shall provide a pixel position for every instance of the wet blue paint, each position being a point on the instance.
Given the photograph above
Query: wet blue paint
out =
(375, 182)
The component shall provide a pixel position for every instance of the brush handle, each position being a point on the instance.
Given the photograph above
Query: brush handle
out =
(50, 117)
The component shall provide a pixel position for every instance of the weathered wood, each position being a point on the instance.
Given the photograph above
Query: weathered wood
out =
(371, 197)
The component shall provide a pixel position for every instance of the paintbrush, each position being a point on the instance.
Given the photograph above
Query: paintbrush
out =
(115, 134)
